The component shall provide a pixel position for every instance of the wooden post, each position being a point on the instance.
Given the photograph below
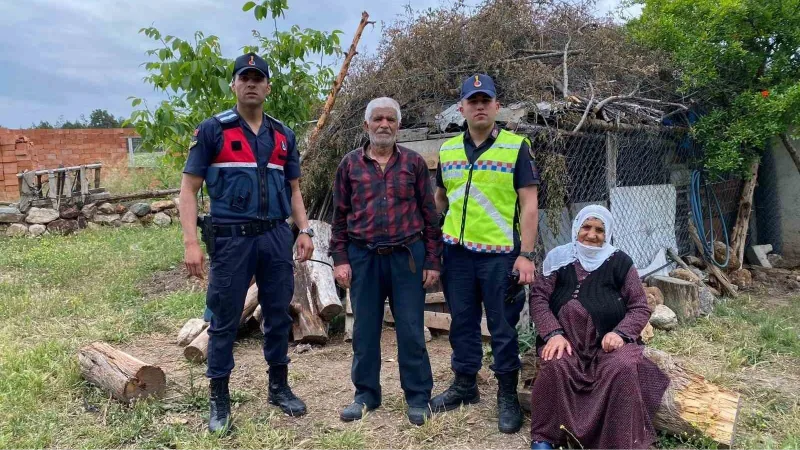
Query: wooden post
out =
(739, 234)
(124, 376)
(612, 151)
(337, 83)
(97, 177)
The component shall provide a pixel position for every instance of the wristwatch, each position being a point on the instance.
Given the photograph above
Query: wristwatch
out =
(527, 255)
(309, 231)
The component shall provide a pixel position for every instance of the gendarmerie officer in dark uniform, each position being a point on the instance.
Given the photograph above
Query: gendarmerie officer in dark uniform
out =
(251, 168)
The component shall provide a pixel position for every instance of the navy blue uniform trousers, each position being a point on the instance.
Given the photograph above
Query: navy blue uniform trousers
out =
(469, 279)
(376, 277)
(236, 259)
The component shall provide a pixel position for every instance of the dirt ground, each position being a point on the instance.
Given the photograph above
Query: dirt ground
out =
(321, 377)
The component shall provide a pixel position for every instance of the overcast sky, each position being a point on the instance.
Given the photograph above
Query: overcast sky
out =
(68, 57)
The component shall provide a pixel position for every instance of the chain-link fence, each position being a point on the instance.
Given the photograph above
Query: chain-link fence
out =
(642, 174)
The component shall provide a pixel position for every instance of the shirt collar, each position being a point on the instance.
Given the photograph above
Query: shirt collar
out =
(492, 136)
(367, 157)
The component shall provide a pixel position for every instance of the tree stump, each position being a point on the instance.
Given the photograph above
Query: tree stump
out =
(124, 376)
(680, 296)
(690, 405)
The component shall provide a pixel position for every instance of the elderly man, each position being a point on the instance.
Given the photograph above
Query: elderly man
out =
(386, 243)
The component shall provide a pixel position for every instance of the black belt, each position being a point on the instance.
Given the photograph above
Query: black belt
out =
(388, 249)
(254, 228)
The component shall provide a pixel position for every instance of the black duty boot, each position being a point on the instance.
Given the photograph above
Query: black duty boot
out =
(463, 391)
(508, 409)
(281, 395)
(220, 399)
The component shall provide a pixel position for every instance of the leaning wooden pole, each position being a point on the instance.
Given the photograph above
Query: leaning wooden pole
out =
(739, 234)
(337, 83)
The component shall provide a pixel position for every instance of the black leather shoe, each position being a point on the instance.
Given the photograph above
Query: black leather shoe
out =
(354, 411)
(509, 411)
(418, 416)
(463, 391)
(219, 420)
(537, 445)
(281, 395)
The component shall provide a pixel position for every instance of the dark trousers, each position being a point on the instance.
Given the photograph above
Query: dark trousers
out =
(376, 277)
(469, 279)
(236, 259)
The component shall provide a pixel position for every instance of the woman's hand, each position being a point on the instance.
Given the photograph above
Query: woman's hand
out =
(612, 341)
(555, 347)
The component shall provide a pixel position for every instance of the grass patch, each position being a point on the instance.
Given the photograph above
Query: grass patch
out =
(331, 438)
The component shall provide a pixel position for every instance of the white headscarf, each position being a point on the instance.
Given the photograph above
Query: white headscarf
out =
(590, 257)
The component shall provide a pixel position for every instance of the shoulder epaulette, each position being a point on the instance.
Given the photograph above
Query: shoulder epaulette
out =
(227, 116)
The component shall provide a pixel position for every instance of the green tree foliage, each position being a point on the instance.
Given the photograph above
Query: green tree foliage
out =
(739, 61)
(196, 78)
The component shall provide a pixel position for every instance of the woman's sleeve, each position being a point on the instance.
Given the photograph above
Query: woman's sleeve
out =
(541, 315)
(638, 313)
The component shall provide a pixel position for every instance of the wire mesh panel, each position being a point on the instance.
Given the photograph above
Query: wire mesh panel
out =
(642, 174)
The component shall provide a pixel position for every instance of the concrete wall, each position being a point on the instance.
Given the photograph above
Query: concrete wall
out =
(788, 190)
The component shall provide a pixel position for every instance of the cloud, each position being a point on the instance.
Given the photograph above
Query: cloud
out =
(68, 57)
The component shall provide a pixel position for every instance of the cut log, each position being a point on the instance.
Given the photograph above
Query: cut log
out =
(725, 286)
(680, 296)
(438, 321)
(124, 376)
(314, 282)
(191, 330)
(691, 405)
(434, 298)
(197, 350)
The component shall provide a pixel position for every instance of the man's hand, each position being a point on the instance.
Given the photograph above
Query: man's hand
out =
(342, 274)
(526, 270)
(194, 259)
(612, 341)
(429, 278)
(555, 347)
(305, 247)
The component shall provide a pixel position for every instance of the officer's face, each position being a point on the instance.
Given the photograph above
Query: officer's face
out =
(251, 87)
(480, 110)
(382, 127)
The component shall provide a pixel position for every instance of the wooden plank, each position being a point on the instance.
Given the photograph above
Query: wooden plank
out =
(434, 297)
(412, 134)
(437, 321)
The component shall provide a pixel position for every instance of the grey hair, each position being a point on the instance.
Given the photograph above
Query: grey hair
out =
(382, 102)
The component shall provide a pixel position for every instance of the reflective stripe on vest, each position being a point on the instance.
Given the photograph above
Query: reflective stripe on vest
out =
(481, 195)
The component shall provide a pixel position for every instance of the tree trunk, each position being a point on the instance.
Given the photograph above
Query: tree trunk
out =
(691, 404)
(124, 376)
(190, 331)
(739, 235)
(197, 350)
(314, 282)
(793, 152)
(680, 296)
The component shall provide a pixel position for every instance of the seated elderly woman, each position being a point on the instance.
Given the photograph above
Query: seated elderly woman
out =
(594, 385)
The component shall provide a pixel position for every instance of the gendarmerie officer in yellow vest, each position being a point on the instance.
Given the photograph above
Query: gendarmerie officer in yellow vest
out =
(488, 186)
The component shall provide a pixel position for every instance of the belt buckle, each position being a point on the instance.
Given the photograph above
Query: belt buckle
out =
(384, 250)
